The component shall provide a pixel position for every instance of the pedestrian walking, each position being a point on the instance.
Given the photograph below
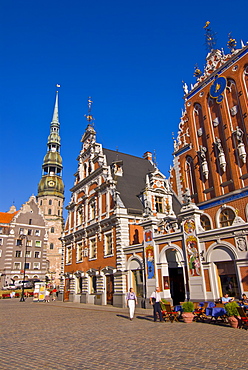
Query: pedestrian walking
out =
(155, 300)
(47, 295)
(131, 300)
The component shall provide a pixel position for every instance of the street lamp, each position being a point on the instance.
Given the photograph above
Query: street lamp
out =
(22, 237)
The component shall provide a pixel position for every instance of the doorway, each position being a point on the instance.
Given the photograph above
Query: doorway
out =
(228, 283)
(177, 289)
(110, 288)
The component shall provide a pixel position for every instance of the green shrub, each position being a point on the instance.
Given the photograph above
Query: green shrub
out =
(231, 308)
(188, 306)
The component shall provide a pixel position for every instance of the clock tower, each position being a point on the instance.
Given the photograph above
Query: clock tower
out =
(51, 198)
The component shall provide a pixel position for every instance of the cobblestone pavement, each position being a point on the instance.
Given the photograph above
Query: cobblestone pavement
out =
(70, 336)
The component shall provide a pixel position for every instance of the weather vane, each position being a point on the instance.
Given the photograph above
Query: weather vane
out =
(210, 37)
(197, 72)
(89, 116)
(232, 43)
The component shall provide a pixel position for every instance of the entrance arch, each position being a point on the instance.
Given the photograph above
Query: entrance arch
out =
(136, 275)
(173, 259)
(223, 260)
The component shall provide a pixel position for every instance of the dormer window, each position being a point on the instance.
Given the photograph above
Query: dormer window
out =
(159, 204)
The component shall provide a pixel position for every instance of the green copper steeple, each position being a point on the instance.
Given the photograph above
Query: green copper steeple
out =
(51, 182)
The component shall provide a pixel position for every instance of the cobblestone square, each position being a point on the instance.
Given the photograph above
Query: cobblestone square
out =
(59, 335)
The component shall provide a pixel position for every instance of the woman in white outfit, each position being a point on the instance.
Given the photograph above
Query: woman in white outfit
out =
(131, 302)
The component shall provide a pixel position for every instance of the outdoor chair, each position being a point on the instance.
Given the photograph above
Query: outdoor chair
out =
(199, 312)
(169, 313)
(243, 318)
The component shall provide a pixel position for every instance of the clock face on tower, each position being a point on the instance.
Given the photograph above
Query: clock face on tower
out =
(51, 183)
(217, 88)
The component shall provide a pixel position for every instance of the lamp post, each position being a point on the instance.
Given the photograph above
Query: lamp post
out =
(22, 237)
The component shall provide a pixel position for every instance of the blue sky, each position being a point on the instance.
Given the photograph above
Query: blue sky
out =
(130, 56)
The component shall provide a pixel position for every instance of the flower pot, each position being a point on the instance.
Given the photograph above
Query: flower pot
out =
(233, 321)
(187, 317)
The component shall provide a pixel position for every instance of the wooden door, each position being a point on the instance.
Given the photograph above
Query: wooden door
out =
(110, 288)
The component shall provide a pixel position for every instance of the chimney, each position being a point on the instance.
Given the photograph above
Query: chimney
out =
(148, 156)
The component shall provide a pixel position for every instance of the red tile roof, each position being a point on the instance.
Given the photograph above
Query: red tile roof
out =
(5, 218)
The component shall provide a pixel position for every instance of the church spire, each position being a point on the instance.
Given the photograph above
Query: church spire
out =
(51, 182)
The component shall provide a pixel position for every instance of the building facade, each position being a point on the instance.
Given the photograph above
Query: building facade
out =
(22, 231)
(51, 199)
(210, 176)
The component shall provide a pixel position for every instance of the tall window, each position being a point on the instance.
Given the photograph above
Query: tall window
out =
(18, 254)
(79, 252)
(49, 211)
(36, 254)
(227, 217)
(52, 229)
(50, 202)
(159, 204)
(69, 254)
(51, 246)
(108, 244)
(92, 210)
(93, 248)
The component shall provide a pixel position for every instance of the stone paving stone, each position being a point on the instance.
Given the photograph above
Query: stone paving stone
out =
(76, 336)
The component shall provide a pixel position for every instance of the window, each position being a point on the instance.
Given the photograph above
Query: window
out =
(108, 244)
(37, 232)
(205, 223)
(92, 210)
(93, 284)
(51, 245)
(79, 252)
(21, 231)
(37, 243)
(52, 229)
(29, 231)
(93, 248)
(227, 217)
(36, 254)
(30, 221)
(58, 212)
(49, 211)
(1, 230)
(50, 202)
(29, 243)
(159, 204)
(18, 254)
(18, 242)
(28, 254)
(27, 265)
(41, 203)
(69, 254)
(17, 265)
(1, 241)
(36, 265)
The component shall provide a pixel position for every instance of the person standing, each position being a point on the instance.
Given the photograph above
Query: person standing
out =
(131, 300)
(155, 300)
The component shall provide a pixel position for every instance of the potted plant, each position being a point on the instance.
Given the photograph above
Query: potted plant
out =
(232, 313)
(188, 308)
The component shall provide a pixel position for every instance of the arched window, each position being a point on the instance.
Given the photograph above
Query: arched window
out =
(52, 229)
(205, 223)
(51, 245)
(49, 211)
(227, 217)
(50, 202)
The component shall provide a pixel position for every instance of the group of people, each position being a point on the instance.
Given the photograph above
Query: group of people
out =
(243, 302)
(155, 299)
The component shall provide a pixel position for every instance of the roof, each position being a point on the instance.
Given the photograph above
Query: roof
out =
(133, 180)
(6, 218)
